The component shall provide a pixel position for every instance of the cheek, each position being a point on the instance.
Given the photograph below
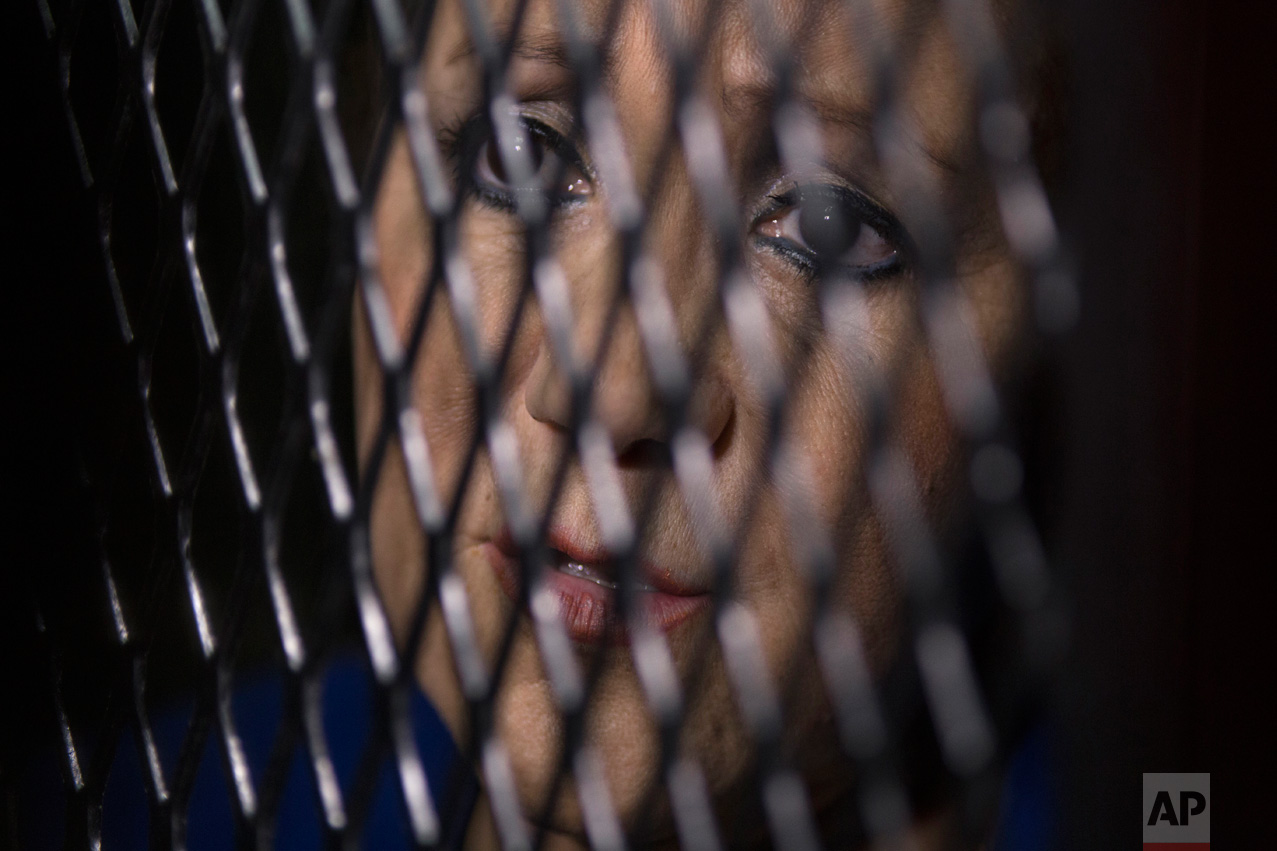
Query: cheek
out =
(398, 547)
(999, 303)
(859, 351)
(828, 427)
(443, 397)
(487, 290)
(403, 234)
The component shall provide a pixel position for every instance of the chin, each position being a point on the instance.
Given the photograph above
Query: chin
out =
(621, 742)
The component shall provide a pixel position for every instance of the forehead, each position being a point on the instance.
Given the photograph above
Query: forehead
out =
(824, 37)
(831, 45)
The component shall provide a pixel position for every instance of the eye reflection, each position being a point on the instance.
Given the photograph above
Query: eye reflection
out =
(557, 165)
(826, 229)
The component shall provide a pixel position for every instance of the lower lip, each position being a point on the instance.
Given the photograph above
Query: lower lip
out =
(588, 610)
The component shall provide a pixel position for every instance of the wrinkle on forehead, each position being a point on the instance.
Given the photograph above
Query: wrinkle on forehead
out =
(830, 49)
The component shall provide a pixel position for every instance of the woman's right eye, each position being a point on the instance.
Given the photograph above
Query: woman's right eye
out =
(829, 228)
(557, 167)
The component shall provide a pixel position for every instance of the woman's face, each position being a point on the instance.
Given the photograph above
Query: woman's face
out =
(829, 218)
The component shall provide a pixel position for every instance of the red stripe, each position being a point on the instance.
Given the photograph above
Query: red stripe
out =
(1176, 846)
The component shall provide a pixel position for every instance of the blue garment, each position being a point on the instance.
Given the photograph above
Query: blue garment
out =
(257, 705)
(1026, 821)
(1027, 817)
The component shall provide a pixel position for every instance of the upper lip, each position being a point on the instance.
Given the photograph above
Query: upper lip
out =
(575, 548)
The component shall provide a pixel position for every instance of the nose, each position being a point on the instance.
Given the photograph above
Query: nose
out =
(677, 277)
(625, 398)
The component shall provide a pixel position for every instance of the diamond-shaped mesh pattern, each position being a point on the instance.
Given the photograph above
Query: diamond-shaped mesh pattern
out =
(632, 377)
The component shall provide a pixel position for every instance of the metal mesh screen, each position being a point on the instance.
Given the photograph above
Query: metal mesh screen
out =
(635, 379)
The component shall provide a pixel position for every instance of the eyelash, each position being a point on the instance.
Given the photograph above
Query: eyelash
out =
(464, 143)
(864, 212)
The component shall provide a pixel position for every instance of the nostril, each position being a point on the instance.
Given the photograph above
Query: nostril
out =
(645, 453)
(713, 412)
(723, 441)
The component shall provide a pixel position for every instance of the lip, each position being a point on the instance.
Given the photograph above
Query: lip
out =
(588, 609)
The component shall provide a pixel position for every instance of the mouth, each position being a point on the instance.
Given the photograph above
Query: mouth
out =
(582, 581)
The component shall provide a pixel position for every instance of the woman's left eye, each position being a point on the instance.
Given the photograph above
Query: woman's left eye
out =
(556, 166)
(827, 229)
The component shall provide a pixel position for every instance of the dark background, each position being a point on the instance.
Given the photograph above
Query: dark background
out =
(1166, 517)
(1163, 508)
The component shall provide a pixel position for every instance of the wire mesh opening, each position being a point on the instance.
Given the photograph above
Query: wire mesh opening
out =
(533, 422)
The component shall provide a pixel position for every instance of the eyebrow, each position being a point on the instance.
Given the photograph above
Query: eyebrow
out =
(753, 98)
(549, 47)
(545, 47)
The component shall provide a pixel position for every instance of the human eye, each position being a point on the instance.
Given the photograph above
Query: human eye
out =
(828, 229)
(558, 166)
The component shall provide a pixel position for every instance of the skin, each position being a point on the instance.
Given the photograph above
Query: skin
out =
(827, 418)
